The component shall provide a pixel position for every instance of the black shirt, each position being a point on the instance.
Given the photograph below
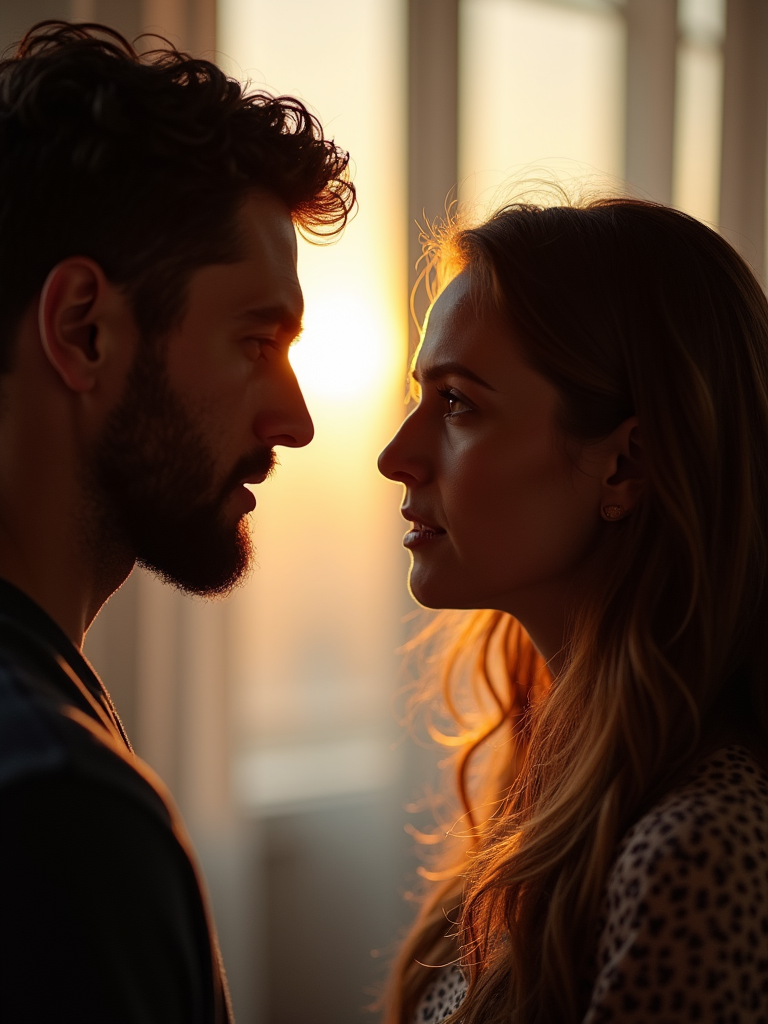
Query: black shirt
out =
(102, 917)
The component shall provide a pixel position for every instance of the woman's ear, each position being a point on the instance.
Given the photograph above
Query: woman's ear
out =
(69, 320)
(624, 480)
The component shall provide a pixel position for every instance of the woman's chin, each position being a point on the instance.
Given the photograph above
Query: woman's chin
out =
(434, 594)
(421, 592)
(430, 605)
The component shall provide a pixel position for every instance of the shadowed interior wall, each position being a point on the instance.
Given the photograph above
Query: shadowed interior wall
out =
(16, 17)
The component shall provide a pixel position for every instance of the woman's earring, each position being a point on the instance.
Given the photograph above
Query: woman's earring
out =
(613, 511)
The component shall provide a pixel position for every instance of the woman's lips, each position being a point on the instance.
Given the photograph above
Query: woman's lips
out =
(421, 534)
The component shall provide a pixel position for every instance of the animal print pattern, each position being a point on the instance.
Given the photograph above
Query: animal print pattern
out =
(443, 997)
(685, 917)
(683, 934)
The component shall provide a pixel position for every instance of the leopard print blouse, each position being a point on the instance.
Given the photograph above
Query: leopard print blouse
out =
(684, 923)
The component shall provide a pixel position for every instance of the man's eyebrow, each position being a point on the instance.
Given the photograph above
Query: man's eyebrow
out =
(438, 370)
(280, 314)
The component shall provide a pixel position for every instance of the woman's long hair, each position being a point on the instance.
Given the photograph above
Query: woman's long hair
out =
(629, 308)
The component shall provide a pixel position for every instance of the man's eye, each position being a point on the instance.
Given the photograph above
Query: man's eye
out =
(257, 344)
(456, 404)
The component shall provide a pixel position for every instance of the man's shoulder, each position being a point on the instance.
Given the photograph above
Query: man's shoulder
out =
(44, 734)
(29, 745)
(88, 830)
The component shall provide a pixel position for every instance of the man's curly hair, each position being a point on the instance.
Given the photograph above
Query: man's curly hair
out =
(141, 161)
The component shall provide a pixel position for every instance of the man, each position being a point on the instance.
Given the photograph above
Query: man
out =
(148, 298)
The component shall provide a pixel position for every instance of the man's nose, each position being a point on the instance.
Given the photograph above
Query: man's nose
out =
(286, 420)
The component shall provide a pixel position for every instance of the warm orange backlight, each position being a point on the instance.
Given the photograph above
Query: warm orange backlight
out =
(344, 349)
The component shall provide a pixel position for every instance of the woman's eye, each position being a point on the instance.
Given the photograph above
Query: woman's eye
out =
(456, 404)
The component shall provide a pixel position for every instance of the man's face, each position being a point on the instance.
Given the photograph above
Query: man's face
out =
(203, 409)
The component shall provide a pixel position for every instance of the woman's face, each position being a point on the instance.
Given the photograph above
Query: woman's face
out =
(502, 514)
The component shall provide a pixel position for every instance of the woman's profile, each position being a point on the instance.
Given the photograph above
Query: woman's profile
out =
(586, 466)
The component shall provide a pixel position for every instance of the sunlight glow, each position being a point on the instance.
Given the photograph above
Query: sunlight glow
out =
(315, 629)
(698, 114)
(542, 86)
(344, 348)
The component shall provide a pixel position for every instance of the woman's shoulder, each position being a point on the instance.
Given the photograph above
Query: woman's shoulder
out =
(723, 784)
(684, 928)
(722, 805)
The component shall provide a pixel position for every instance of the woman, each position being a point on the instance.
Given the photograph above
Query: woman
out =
(588, 459)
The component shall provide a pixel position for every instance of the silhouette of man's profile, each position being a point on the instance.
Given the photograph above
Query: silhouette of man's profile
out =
(148, 299)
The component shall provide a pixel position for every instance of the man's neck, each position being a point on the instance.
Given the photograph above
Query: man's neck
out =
(46, 547)
(43, 562)
(49, 543)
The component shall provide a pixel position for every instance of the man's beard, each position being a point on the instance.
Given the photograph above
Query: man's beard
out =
(154, 491)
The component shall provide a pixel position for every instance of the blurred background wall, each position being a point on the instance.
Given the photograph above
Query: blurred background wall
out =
(270, 714)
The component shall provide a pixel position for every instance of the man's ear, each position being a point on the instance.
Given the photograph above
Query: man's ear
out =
(625, 476)
(70, 320)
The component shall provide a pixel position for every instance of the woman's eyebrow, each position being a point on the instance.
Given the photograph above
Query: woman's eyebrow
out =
(438, 370)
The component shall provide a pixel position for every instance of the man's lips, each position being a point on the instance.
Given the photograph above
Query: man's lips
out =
(246, 500)
(247, 496)
(253, 468)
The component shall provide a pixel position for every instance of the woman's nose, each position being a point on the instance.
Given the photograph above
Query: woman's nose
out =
(398, 462)
(386, 461)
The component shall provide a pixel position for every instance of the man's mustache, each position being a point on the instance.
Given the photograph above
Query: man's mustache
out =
(260, 462)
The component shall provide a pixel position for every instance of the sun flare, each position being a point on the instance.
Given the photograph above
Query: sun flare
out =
(345, 348)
